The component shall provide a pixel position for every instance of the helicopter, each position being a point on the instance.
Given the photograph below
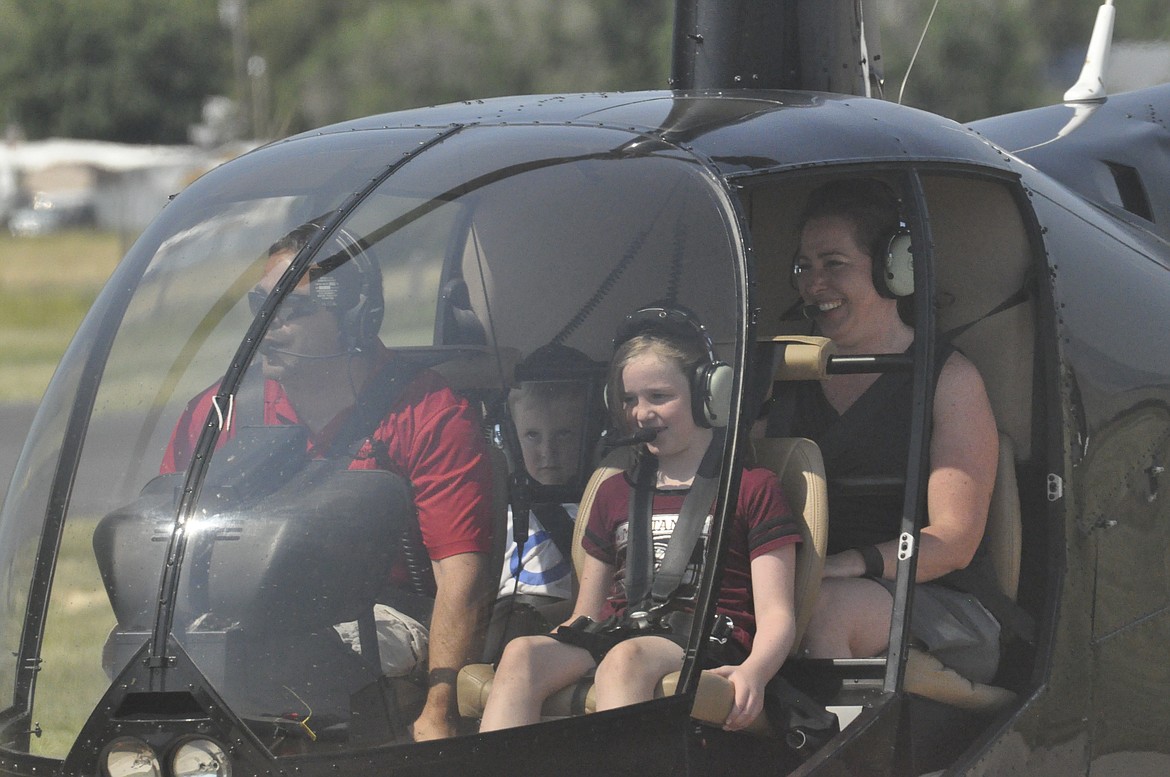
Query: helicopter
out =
(186, 620)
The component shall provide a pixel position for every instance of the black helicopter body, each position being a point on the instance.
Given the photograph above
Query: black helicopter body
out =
(137, 606)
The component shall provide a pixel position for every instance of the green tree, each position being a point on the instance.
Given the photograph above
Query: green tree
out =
(978, 58)
(139, 70)
(126, 70)
(377, 57)
(987, 57)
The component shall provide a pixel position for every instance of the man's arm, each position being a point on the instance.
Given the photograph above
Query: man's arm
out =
(456, 638)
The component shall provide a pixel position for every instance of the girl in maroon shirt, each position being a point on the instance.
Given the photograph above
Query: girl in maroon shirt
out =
(650, 374)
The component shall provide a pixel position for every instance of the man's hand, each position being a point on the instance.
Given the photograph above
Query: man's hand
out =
(435, 722)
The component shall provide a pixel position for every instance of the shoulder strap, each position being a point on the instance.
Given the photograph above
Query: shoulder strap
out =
(639, 539)
(780, 410)
(1013, 618)
(376, 400)
(249, 401)
(1021, 295)
(695, 509)
(556, 521)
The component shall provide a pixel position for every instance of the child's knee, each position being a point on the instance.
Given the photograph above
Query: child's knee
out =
(519, 658)
(626, 661)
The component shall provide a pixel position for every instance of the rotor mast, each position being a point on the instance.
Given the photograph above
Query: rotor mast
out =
(814, 45)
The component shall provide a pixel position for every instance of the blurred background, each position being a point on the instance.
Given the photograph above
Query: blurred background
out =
(107, 107)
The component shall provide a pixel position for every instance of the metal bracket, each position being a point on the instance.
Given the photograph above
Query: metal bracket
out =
(1055, 487)
(224, 418)
(905, 546)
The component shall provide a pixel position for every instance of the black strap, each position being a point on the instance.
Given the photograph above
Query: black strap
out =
(779, 410)
(1018, 298)
(248, 405)
(556, 521)
(376, 401)
(640, 540)
(1013, 619)
(696, 508)
(374, 404)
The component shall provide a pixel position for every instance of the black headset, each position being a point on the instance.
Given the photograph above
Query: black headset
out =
(349, 282)
(710, 383)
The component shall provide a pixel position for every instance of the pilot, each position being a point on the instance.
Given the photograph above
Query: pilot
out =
(551, 412)
(323, 366)
(862, 425)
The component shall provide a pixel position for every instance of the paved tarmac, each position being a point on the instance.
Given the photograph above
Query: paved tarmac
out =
(14, 423)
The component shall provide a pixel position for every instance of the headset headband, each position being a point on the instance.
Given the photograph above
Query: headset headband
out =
(710, 384)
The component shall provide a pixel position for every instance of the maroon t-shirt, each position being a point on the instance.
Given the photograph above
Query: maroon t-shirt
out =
(761, 523)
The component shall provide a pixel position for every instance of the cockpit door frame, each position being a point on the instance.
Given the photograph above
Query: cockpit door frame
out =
(922, 409)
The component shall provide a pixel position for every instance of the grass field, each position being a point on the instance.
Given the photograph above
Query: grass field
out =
(71, 680)
(47, 283)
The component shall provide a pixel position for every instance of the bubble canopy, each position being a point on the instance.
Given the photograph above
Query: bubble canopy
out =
(161, 521)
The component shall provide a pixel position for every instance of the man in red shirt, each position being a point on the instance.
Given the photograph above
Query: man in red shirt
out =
(321, 360)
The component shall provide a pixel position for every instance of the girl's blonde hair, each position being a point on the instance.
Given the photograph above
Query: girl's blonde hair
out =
(686, 352)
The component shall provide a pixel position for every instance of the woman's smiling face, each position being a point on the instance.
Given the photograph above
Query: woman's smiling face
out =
(835, 274)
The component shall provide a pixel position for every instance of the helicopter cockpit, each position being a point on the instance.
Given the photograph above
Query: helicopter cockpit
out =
(215, 539)
(206, 533)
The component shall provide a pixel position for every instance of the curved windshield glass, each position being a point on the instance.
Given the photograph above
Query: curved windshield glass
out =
(317, 389)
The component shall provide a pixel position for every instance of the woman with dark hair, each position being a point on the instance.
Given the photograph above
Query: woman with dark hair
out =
(853, 249)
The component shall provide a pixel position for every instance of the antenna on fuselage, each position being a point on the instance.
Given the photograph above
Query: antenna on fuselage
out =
(1090, 87)
(1088, 93)
(914, 56)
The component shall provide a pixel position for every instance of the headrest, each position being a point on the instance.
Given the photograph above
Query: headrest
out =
(798, 357)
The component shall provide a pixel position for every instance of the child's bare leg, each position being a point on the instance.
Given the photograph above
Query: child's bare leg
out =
(531, 670)
(630, 672)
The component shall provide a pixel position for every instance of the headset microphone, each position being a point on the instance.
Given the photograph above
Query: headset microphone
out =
(267, 349)
(637, 438)
(810, 311)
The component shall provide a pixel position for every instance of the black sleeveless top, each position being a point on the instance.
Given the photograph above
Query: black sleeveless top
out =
(870, 440)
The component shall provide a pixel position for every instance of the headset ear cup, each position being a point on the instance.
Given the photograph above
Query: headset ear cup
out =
(711, 396)
(371, 311)
(899, 269)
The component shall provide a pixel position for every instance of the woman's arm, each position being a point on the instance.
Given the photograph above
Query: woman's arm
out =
(964, 449)
(773, 587)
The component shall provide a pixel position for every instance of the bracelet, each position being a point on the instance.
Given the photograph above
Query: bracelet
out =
(442, 677)
(875, 565)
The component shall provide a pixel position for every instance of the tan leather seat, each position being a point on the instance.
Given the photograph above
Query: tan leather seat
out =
(801, 470)
(925, 675)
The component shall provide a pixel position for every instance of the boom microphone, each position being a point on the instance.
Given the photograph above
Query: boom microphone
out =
(810, 311)
(637, 438)
(267, 349)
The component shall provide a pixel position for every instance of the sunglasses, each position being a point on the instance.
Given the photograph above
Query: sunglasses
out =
(292, 306)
